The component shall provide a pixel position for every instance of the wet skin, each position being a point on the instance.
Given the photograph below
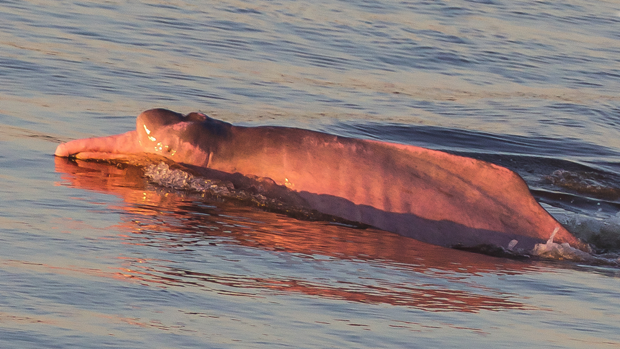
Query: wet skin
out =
(432, 196)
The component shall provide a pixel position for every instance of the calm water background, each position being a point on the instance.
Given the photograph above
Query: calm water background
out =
(93, 256)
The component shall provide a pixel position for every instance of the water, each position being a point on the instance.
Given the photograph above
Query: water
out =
(92, 255)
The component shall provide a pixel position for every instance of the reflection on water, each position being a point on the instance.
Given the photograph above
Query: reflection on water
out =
(182, 224)
(119, 263)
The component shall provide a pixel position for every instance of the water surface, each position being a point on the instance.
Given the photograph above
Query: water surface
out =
(93, 255)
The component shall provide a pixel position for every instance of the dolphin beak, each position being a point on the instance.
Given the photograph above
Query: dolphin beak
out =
(126, 143)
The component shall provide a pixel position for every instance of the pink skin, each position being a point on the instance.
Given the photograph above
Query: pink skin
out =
(430, 195)
(111, 147)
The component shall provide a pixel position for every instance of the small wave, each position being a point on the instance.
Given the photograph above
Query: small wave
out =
(601, 232)
(564, 251)
(595, 184)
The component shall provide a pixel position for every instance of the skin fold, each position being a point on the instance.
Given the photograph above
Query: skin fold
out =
(429, 195)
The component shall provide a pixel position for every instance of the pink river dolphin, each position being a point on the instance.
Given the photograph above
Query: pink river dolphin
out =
(428, 195)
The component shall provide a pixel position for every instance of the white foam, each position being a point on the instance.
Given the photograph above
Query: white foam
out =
(554, 250)
(163, 175)
(602, 229)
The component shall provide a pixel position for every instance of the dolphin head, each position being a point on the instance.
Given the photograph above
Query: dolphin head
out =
(184, 138)
(154, 128)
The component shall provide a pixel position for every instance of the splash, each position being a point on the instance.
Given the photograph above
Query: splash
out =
(564, 251)
(254, 195)
(164, 176)
(554, 250)
(601, 230)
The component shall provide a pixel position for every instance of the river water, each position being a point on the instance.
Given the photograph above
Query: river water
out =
(92, 255)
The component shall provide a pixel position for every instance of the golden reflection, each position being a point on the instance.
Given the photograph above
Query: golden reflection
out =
(168, 221)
